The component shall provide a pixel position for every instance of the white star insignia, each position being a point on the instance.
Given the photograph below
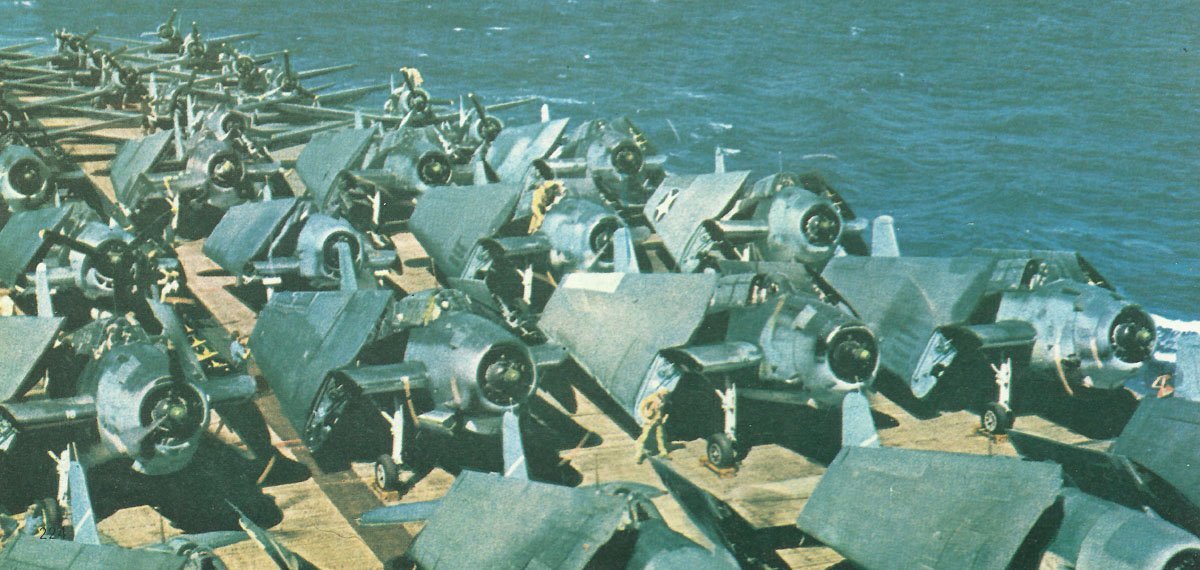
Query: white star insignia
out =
(663, 207)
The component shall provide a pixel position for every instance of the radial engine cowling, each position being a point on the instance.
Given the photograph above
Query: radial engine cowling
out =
(581, 235)
(416, 158)
(88, 273)
(225, 172)
(317, 247)
(24, 178)
(1086, 335)
(143, 412)
(474, 366)
(810, 346)
(801, 227)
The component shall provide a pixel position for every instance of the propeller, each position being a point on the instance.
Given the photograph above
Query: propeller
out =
(853, 354)
(1132, 335)
(488, 127)
(166, 31)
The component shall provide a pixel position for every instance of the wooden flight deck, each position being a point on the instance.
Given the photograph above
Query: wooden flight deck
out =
(770, 488)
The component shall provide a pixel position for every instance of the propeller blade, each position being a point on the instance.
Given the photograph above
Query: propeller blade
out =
(348, 278)
(83, 518)
(402, 513)
(514, 448)
(215, 539)
(45, 305)
(56, 238)
(181, 345)
(285, 559)
(479, 108)
(858, 426)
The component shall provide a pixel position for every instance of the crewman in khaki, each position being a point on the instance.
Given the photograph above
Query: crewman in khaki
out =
(654, 415)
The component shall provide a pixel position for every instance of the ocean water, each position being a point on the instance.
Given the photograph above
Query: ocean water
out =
(1028, 124)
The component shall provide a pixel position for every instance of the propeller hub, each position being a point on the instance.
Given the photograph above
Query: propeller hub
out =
(433, 168)
(627, 158)
(26, 177)
(489, 128)
(174, 411)
(601, 240)
(821, 226)
(417, 100)
(225, 169)
(853, 354)
(1133, 335)
(506, 377)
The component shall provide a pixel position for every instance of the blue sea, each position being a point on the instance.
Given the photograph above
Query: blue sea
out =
(1019, 124)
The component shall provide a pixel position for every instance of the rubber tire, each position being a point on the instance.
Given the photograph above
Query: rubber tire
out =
(720, 451)
(52, 517)
(387, 474)
(996, 420)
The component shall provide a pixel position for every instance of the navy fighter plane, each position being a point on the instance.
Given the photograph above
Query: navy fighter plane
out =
(429, 362)
(1024, 318)
(89, 264)
(644, 336)
(288, 242)
(196, 178)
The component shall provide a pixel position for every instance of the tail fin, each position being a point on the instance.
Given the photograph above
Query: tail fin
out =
(883, 238)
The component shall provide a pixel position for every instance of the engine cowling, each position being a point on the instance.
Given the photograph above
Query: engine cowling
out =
(88, 272)
(224, 171)
(810, 346)
(1096, 533)
(317, 247)
(143, 412)
(1086, 335)
(801, 227)
(25, 178)
(581, 235)
(417, 159)
(474, 366)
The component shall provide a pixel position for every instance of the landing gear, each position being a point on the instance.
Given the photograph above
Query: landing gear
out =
(997, 417)
(387, 466)
(387, 473)
(722, 449)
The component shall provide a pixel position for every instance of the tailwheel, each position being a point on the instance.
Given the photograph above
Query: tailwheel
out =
(996, 419)
(387, 473)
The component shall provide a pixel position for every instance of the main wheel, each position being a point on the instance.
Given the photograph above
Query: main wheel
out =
(52, 518)
(387, 474)
(721, 451)
(995, 419)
